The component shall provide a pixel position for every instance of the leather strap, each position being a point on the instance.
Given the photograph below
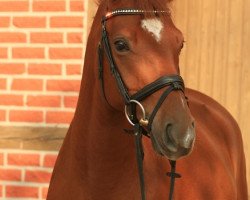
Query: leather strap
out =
(173, 175)
(157, 85)
(121, 86)
(139, 157)
(165, 94)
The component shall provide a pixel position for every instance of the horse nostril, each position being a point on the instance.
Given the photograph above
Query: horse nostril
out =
(176, 137)
(170, 141)
(168, 128)
(169, 137)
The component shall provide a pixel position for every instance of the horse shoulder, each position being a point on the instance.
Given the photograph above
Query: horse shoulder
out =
(210, 113)
(212, 117)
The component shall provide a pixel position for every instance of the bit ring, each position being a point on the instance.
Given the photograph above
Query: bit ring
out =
(143, 121)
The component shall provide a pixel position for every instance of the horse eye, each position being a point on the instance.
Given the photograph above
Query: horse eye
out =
(121, 46)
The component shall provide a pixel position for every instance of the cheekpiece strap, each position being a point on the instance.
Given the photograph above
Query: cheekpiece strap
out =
(113, 68)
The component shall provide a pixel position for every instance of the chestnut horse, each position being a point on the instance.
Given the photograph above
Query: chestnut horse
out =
(132, 59)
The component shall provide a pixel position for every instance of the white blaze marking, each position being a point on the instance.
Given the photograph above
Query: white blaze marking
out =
(153, 26)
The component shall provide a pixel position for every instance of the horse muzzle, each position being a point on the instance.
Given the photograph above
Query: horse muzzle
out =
(173, 142)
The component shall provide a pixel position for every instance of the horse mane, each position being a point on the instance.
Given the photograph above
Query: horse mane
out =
(144, 4)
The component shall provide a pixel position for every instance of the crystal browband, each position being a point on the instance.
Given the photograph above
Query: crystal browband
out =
(133, 12)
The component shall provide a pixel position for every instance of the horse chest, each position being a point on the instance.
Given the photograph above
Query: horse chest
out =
(207, 173)
(206, 181)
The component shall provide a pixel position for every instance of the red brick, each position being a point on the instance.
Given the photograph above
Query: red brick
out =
(77, 5)
(10, 175)
(37, 176)
(63, 85)
(26, 116)
(65, 53)
(27, 84)
(45, 192)
(1, 155)
(74, 37)
(3, 83)
(22, 192)
(66, 22)
(73, 69)
(70, 101)
(29, 22)
(23, 159)
(49, 160)
(44, 101)
(42, 37)
(59, 117)
(45, 69)
(9, 37)
(12, 68)
(2, 116)
(3, 53)
(4, 21)
(11, 99)
(48, 6)
(28, 52)
(9, 6)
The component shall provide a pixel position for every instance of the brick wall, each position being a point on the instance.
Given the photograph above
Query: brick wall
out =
(42, 45)
(25, 174)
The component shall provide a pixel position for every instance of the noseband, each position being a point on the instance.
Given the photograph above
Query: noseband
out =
(143, 126)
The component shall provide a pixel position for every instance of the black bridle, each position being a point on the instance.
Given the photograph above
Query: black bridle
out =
(143, 126)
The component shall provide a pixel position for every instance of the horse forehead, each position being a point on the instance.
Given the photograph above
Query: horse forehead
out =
(153, 26)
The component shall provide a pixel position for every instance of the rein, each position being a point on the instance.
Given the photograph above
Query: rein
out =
(142, 126)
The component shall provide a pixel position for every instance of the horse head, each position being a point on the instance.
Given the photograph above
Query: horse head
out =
(142, 49)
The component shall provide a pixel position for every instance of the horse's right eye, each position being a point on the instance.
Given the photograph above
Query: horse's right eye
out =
(121, 45)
